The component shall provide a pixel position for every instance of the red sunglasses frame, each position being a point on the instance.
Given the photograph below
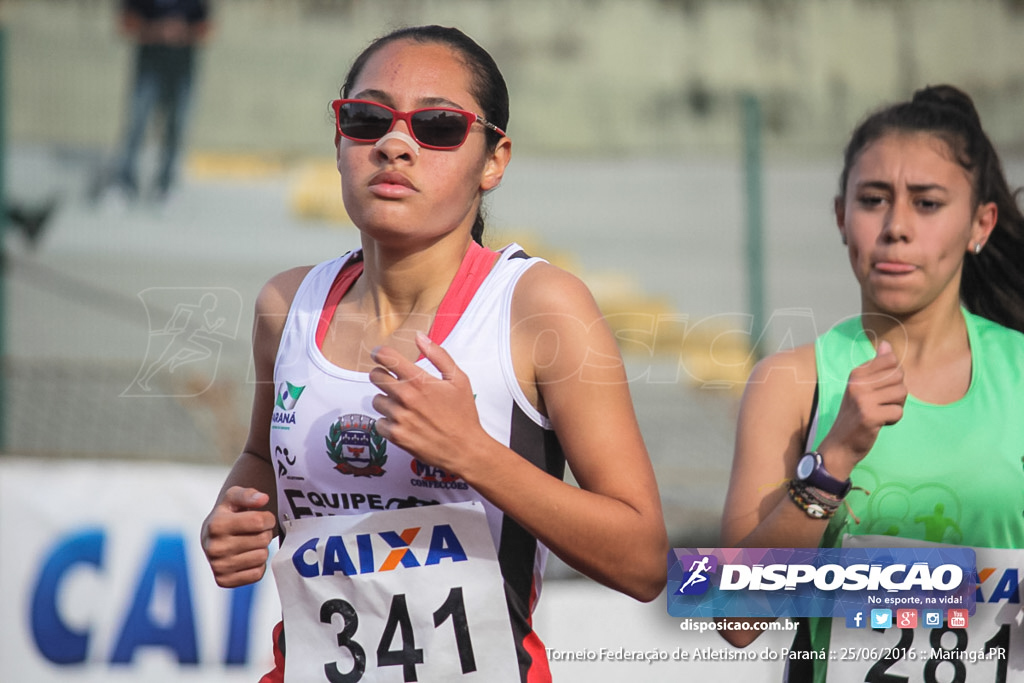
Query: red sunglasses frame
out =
(407, 117)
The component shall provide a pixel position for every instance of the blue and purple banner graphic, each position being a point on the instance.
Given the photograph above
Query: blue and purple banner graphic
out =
(817, 582)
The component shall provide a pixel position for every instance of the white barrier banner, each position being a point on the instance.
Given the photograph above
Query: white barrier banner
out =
(102, 578)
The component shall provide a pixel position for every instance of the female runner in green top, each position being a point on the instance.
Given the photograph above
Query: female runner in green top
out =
(916, 402)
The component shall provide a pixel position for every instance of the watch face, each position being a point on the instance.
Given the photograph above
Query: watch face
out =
(805, 466)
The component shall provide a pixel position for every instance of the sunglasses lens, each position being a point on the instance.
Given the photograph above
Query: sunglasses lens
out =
(363, 121)
(440, 128)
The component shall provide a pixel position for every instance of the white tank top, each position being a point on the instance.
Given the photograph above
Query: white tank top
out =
(330, 460)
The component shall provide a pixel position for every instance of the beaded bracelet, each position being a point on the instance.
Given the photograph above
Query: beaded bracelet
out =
(815, 503)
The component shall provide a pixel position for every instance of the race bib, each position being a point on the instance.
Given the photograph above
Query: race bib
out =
(401, 595)
(934, 644)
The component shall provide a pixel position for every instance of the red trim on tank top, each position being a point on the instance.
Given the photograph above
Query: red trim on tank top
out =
(540, 668)
(473, 270)
(349, 273)
(276, 675)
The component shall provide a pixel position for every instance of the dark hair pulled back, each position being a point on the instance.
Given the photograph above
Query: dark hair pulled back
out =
(992, 284)
(487, 85)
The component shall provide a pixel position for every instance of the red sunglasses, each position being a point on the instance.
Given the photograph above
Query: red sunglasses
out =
(431, 127)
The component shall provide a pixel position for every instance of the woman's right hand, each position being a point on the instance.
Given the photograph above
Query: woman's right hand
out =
(874, 397)
(236, 535)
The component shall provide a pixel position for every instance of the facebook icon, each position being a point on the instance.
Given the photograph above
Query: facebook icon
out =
(856, 620)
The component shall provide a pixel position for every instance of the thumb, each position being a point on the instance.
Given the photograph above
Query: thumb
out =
(241, 499)
(884, 347)
(437, 356)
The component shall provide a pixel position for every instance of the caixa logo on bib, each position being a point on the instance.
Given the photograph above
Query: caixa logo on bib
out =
(377, 552)
(997, 584)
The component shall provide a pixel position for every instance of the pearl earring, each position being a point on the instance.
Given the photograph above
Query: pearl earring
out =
(977, 248)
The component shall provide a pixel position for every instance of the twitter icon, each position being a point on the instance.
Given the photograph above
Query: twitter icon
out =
(881, 618)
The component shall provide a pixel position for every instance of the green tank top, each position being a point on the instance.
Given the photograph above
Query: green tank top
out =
(949, 473)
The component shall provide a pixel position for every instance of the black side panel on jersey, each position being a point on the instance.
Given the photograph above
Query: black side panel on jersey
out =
(518, 548)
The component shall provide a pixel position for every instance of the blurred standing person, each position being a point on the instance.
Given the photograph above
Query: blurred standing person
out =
(167, 35)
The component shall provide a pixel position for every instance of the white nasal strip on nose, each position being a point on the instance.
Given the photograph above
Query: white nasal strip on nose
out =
(404, 137)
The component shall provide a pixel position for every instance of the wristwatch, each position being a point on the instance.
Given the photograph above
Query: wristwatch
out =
(811, 470)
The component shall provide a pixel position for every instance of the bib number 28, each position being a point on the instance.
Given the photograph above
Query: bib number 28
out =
(945, 662)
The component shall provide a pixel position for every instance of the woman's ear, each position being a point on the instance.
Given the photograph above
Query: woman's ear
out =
(839, 207)
(984, 223)
(497, 162)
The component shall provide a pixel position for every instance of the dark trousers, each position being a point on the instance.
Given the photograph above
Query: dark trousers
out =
(163, 85)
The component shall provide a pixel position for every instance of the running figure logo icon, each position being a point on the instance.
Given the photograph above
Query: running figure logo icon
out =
(698, 567)
(188, 329)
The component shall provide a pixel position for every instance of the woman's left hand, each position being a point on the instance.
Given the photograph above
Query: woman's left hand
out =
(432, 418)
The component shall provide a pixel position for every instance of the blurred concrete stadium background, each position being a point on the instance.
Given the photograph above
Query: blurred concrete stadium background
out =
(587, 77)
